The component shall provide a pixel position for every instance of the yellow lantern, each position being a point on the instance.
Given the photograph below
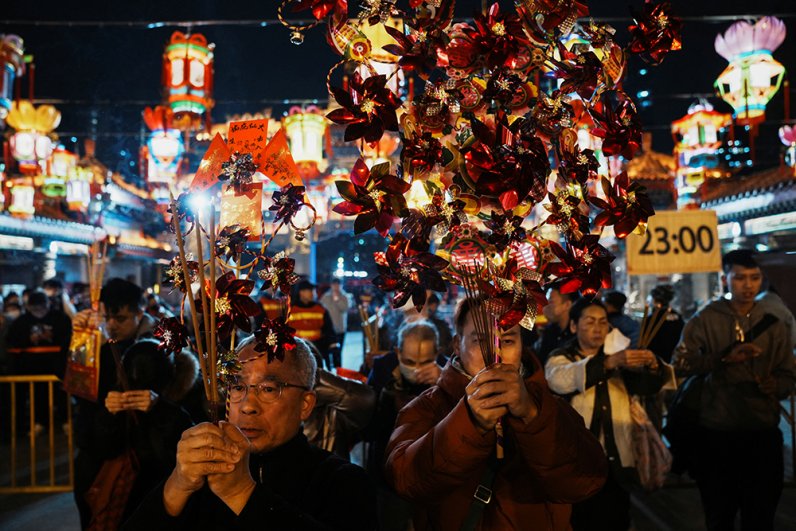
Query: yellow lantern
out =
(753, 75)
(22, 195)
(78, 188)
(306, 131)
(31, 144)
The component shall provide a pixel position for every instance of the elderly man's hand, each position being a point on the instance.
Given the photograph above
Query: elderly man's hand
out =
(496, 391)
(234, 487)
(428, 374)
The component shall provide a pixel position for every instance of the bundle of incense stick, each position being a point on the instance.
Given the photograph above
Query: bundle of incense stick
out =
(96, 270)
(206, 344)
(370, 328)
(486, 330)
(651, 324)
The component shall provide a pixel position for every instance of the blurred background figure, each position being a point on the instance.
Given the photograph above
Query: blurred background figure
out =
(312, 321)
(59, 300)
(556, 332)
(337, 302)
(615, 304)
(665, 340)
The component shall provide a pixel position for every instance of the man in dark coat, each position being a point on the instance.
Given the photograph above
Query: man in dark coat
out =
(258, 470)
(442, 453)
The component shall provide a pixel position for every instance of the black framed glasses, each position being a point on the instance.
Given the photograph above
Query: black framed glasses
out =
(266, 392)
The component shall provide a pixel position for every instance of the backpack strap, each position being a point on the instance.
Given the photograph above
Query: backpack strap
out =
(482, 495)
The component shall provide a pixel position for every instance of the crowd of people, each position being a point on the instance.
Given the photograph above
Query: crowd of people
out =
(546, 438)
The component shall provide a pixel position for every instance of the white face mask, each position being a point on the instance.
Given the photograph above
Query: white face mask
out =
(407, 373)
(12, 314)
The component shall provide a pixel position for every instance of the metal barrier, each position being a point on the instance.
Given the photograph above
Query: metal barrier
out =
(34, 486)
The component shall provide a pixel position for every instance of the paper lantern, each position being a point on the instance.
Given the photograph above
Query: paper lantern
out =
(22, 194)
(30, 144)
(78, 188)
(12, 64)
(697, 135)
(306, 130)
(188, 79)
(245, 210)
(381, 61)
(753, 75)
(163, 152)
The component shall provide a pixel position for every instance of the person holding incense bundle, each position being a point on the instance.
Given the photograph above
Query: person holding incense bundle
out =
(739, 364)
(599, 386)
(258, 471)
(442, 455)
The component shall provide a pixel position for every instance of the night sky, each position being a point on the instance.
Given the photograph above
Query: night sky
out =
(107, 75)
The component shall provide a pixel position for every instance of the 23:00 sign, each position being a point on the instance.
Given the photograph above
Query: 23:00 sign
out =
(686, 239)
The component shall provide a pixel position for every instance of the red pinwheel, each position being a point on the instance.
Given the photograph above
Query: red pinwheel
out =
(508, 163)
(551, 14)
(515, 297)
(231, 241)
(368, 107)
(322, 8)
(584, 266)
(421, 153)
(374, 196)
(417, 51)
(184, 211)
(626, 205)
(174, 272)
(278, 272)
(575, 165)
(435, 107)
(408, 273)
(502, 87)
(275, 338)
(617, 123)
(287, 202)
(417, 226)
(506, 229)
(172, 335)
(238, 170)
(497, 37)
(656, 32)
(580, 72)
(552, 114)
(234, 306)
(568, 211)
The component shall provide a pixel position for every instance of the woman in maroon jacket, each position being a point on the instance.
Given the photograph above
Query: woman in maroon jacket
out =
(444, 442)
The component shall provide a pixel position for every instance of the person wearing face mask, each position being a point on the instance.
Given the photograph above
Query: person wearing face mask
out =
(38, 342)
(442, 454)
(417, 370)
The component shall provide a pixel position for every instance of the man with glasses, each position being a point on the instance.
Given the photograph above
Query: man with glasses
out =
(258, 470)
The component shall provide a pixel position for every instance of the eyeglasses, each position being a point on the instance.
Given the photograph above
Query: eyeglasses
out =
(266, 392)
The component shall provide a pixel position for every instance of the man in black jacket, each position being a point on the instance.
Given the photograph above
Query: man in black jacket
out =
(258, 470)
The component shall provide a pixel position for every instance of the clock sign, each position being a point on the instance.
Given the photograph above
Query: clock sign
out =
(676, 241)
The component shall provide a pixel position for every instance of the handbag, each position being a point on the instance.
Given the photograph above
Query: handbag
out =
(653, 459)
(107, 497)
(682, 422)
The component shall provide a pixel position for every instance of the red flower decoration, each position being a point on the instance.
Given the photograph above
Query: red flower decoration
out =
(175, 275)
(552, 114)
(617, 123)
(287, 202)
(172, 335)
(436, 107)
(508, 163)
(515, 297)
(322, 8)
(505, 228)
(626, 205)
(551, 14)
(575, 165)
(374, 196)
(502, 87)
(231, 241)
(417, 226)
(234, 306)
(497, 38)
(584, 266)
(278, 272)
(408, 273)
(417, 51)
(275, 338)
(368, 107)
(421, 153)
(656, 32)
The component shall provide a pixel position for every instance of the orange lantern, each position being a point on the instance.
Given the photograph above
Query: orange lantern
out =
(188, 79)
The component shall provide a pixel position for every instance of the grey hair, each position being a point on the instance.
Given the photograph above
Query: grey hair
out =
(301, 357)
(423, 330)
